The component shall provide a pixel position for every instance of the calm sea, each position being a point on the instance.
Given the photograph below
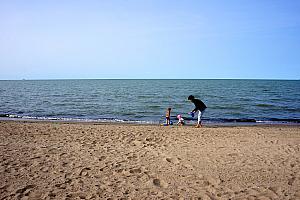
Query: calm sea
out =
(145, 101)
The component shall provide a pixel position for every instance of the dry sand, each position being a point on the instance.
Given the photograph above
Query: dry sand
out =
(97, 161)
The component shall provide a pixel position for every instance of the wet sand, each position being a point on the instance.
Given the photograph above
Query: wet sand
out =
(49, 160)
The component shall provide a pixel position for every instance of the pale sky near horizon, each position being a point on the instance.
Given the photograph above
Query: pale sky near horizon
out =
(149, 39)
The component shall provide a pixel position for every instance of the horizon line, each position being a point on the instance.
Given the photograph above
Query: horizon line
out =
(49, 79)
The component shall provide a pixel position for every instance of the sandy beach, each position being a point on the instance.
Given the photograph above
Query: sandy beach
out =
(50, 160)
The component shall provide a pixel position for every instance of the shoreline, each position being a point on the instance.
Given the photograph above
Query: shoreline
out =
(210, 124)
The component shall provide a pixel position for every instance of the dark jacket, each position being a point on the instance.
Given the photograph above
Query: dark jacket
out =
(199, 105)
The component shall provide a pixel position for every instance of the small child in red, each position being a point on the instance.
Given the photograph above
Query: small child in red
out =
(168, 116)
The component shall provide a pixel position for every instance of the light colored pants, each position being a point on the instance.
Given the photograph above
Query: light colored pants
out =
(200, 114)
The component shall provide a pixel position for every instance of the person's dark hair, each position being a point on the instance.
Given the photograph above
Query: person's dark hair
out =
(191, 97)
(169, 108)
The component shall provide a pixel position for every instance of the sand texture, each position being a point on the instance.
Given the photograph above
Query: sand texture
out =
(97, 161)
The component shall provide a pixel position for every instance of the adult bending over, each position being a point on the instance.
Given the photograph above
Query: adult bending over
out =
(200, 107)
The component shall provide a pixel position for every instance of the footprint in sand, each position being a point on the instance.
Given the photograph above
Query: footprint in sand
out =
(173, 160)
(258, 193)
(291, 180)
(45, 169)
(267, 194)
(135, 171)
(214, 180)
(61, 185)
(84, 171)
(160, 183)
(188, 166)
(137, 143)
(24, 191)
(102, 158)
(297, 195)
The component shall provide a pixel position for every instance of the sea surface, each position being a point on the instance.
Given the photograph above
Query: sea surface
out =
(146, 101)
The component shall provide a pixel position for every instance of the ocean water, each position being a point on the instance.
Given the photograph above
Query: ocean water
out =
(145, 101)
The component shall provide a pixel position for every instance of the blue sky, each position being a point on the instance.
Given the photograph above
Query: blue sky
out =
(149, 39)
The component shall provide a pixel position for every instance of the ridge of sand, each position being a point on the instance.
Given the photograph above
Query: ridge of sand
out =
(88, 161)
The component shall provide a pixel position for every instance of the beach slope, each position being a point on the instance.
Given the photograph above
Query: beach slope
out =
(44, 160)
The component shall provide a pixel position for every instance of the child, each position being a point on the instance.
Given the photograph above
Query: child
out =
(180, 120)
(199, 106)
(168, 115)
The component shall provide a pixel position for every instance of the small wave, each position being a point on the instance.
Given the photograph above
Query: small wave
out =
(285, 120)
(293, 109)
(237, 120)
(61, 104)
(143, 97)
(128, 114)
(69, 119)
(245, 99)
(263, 105)
(153, 106)
(156, 120)
(226, 107)
(276, 99)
